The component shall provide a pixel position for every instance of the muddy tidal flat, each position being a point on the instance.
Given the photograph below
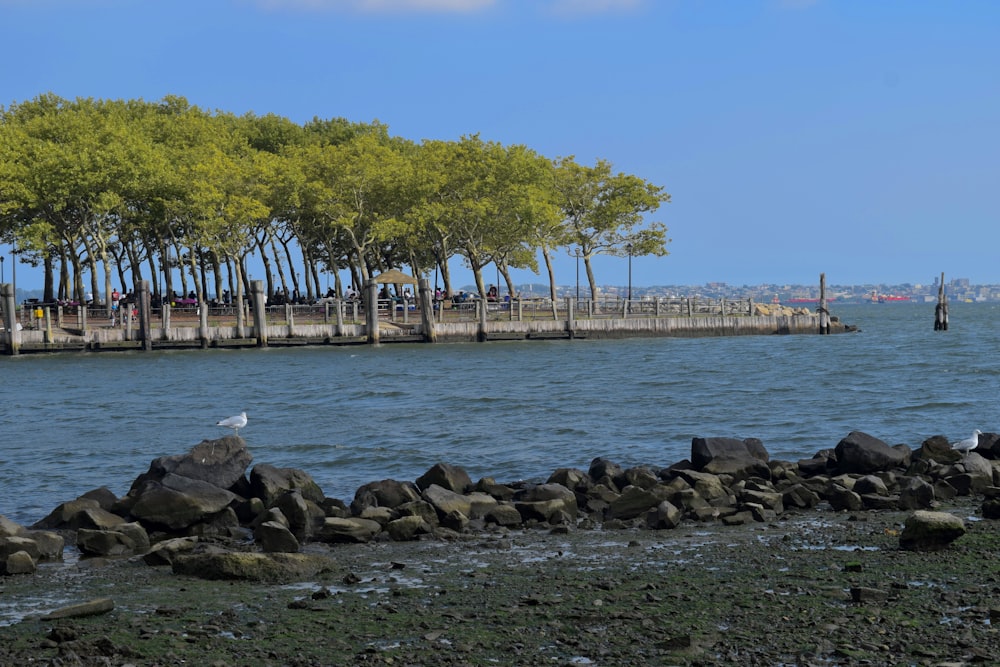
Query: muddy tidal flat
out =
(813, 588)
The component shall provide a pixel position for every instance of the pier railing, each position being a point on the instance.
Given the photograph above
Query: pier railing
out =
(331, 311)
(254, 323)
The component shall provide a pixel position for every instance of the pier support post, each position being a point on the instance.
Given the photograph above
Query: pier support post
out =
(339, 305)
(203, 324)
(482, 320)
(371, 313)
(941, 309)
(145, 315)
(824, 313)
(259, 312)
(427, 310)
(47, 318)
(11, 332)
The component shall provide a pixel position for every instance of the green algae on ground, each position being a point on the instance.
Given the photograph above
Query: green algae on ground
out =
(699, 595)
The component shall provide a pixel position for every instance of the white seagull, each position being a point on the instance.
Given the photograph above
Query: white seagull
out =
(967, 445)
(235, 423)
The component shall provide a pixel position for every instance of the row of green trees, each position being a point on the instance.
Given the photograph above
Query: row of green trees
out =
(111, 189)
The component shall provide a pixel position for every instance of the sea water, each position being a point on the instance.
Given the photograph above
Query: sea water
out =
(349, 415)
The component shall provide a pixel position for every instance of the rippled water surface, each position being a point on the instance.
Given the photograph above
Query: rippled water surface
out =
(518, 410)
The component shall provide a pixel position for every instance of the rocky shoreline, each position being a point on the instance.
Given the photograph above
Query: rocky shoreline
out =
(200, 521)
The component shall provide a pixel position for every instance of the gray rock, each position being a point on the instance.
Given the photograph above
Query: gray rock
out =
(59, 518)
(19, 562)
(251, 566)
(862, 453)
(489, 486)
(407, 528)
(96, 518)
(302, 515)
(770, 500)
(93, 607)
(930, 531)
(447, 477)
(633, 502)
(268, 482)
(642, 477)
(937, 448)
(708, 485)
(9, 528)
(15, 543)
(385, 493)
(991, 509)
(550, 511)
(572, 478)
(603, 471)
(349, 530)
(455, 521)
(504, 515)
(178, 502)
(50, 545)
(420, 508)
(93, 542)
(444, 500)
(663, 516)
(104, 497)
(916, 494)
(221, 463)
(870, 484)
(799, 496)
(164, 552)
(842, 498)
(274, 537)
(729, 456)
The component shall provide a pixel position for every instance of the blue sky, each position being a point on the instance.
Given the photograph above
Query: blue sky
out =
(860, 139)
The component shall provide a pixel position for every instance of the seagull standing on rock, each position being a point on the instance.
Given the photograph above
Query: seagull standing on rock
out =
(967, 445)
(235, 423)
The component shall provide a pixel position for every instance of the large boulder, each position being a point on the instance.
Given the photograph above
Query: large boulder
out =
(447, 477)
(730, 456)
(445, 501)
(178, 502)
(60, 517)
(9, 528)
(274, 537)
(221, 463)
(937, 448)
(350, 530)
(124, 540)
(271, 568)
(267, 482)
(862, 453)
(385, 493)
(930, 531)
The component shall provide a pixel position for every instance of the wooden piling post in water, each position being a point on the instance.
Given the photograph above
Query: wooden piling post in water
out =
(427, 309)
(824, 313)
(371, 313)
(145, 315)
(259, 312)
(202, 323)
(481, 334)
(941, 309)
(12, 335)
